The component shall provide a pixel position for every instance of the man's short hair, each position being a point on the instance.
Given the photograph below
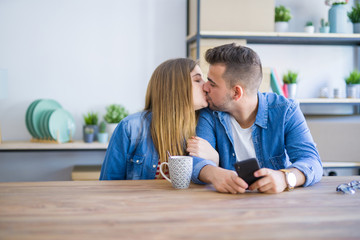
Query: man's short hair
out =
(243, 65)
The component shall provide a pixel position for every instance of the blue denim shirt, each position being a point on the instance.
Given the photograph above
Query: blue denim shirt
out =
(131, 153)
(280, 135)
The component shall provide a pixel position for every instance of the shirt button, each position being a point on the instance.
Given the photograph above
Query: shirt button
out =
(137, 161)
(154, 166)
(233, 154)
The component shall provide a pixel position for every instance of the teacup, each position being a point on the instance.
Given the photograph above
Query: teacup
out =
(180, 169)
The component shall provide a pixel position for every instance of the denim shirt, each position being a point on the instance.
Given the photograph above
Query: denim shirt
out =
(131, 154)
(280, 135)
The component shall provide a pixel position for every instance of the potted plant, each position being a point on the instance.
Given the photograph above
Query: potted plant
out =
(102, 135)
(324, 26)
(88, 134)
(290, 79)
(353, 84)
(114, 114)
(309, 27)
(354, 16)
(91, 121)
(282, 18)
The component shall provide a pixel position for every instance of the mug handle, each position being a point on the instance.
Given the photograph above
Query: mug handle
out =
(162, 173)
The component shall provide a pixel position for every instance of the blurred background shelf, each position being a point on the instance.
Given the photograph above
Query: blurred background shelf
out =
(351, 101)
(34, 146)
(330, 106)
(282, 38)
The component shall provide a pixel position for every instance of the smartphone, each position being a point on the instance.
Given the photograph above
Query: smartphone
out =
(246, 168)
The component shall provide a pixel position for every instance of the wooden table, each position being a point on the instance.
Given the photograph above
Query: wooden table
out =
(152, 209)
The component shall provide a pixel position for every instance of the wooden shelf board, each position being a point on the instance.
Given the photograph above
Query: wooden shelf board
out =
(27, 145)
(341, 164)
(330, 100)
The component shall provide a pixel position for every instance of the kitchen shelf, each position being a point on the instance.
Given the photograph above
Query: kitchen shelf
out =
(350, 101)
(282, 38)
(34, 146)
(330, 106)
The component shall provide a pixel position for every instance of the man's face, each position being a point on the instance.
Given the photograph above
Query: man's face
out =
(217, 93)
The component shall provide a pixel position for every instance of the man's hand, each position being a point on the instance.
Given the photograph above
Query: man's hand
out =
(199, 147)
(272, 181)
(224, 181)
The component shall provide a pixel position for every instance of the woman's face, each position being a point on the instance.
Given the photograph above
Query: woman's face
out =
(197, 86)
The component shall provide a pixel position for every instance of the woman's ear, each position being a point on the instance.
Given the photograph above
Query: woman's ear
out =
(238, 92)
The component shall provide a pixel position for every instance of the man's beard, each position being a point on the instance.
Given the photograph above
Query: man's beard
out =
(219, 107)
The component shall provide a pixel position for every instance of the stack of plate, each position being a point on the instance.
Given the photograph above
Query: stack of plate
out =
(45, 119)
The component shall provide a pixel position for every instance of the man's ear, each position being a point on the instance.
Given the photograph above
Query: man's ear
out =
(238, 92)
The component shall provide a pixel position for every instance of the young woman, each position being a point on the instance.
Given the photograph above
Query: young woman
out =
(141, 141)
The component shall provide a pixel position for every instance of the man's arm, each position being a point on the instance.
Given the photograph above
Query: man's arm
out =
(300, 146)
(223, 180)
(274, 181)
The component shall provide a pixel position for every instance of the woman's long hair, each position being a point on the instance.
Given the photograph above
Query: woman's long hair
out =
(169, 98)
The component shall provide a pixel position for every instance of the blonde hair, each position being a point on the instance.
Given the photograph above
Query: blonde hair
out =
(169, 98)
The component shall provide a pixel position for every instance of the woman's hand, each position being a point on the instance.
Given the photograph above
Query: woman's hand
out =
(199, 147)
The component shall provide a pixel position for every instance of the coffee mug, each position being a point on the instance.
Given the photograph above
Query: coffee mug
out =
(180, 169)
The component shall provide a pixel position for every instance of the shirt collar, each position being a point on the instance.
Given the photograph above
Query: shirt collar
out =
(261, 116)
(263, 111)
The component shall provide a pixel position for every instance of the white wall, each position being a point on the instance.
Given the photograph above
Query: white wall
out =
(86, 54)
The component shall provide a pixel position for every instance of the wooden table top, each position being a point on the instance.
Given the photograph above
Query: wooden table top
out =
(152, 209)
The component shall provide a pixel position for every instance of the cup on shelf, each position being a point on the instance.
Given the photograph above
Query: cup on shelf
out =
(337, 92)
(324, 92)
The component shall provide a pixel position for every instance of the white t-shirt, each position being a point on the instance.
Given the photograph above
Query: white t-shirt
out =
(243, 143)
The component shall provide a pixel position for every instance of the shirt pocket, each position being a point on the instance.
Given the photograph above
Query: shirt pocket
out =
(134, 167)
(278, 162)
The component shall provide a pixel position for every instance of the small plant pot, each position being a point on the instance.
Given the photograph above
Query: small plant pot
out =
(356, 27)
(96, 130)
(103, 137)
(352, 90)
(309, 29)
(291, 90)
(110, 128)
(324, 29)
(89, 137)
(281, 26)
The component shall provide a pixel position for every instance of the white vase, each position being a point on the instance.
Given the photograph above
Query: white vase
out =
(110, 127)
(291, 90)
(281, 26)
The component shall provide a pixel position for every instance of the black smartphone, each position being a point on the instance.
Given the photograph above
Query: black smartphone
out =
(246, 168)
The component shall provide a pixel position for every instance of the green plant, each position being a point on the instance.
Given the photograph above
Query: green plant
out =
(309, 23)
(354, 14)
(102, 127)
(115, 113)
(354, 78)
(290, 77)
(323, 23)
(282, 14)
(91, 118)
(88, 130)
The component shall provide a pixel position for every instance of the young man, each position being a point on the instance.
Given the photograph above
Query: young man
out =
(245, 123)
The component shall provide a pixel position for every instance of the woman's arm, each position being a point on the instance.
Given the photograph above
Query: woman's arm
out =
(198, 147)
